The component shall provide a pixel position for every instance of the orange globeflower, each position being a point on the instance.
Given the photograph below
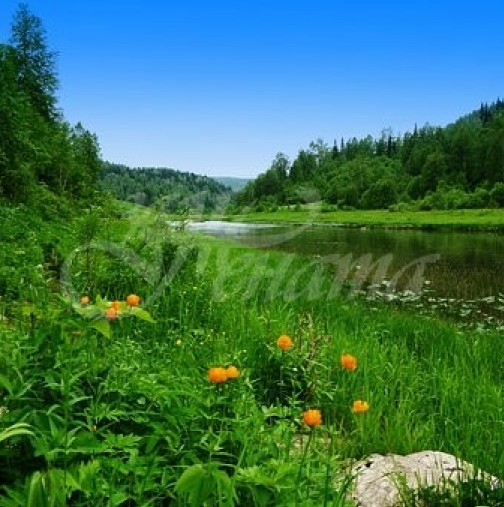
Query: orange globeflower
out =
(284, 342)
(360, 407)
(111, 313)
(232, 372)
(312, 417)
(116, 305)
(348, 362)
(133, 300)
(217, 375)
(85, 300)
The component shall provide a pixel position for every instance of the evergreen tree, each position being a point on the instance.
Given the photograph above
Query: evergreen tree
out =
(335, 150)
(36, 146)
(35, 63)
(86, 154)
(16, 123)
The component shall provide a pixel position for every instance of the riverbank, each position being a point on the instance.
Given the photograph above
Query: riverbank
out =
(105, 391)
(477, 219)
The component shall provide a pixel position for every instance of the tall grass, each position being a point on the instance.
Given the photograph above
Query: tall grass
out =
(131, 418)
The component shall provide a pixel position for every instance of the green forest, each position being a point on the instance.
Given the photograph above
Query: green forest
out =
(176, 191)
(39, 150)
(42, 156)
(455, 167)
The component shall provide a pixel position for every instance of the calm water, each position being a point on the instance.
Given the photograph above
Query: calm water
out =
(459, 265)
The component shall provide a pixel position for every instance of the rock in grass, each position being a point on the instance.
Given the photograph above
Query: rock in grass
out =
(379, 480)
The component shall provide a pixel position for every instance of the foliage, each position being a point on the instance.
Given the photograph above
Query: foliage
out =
(124, 414)
(468, 493)
(15, 430)
(372, 173)
(37, 147)
(105, 398)
(401, 215)
(174, 190)
(34, 62)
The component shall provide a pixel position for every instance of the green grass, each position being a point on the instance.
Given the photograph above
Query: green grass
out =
(462, 219)
(470, 493)
(130, 418)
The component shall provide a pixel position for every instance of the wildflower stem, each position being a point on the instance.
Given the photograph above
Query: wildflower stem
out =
(303, 458)
(328, 467)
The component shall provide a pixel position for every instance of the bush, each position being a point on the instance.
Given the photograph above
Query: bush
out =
(497, 194)
(455, 198)
(327, 208)
(381, 195)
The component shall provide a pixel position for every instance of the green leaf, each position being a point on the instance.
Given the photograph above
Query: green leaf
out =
(193, 484)
(36, 493)
(101, 303)
(5, 383)
(202, 483)
(103, 327)
(118, 498)
(142, 314)
(28, 309)
(88, 473)
(88, 312)
(15, 430)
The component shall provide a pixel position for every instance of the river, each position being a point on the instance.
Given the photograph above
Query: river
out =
(460, 272)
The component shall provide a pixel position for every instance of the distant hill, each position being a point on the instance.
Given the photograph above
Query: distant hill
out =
(179, 190)
(235, 184)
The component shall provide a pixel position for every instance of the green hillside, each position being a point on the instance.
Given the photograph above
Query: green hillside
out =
(178, 190)
(457, 166)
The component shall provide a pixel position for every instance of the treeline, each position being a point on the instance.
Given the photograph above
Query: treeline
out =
(38, 148)
(176, 191)
(459, 166)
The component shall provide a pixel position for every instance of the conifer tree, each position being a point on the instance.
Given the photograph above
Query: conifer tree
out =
(35, 63)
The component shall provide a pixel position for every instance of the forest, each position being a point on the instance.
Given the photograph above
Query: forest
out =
(453, 167)
(43, 157)
(39, 150)
(177, 191)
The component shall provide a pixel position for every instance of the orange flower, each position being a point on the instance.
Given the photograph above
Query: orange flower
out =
(133, 300)
(116, 305)
(360, 407)
(312, 417)
(284, 342)
(85, 300)
(232, 372)
(111, 313)
(348, 362)
(217, 375)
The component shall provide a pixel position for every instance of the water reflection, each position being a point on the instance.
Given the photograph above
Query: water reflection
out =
(470, 264)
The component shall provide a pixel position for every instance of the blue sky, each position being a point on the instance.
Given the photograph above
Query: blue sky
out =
(220, 87)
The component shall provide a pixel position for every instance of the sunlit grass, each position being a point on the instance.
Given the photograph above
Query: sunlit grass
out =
(478, 218)
(243, 388)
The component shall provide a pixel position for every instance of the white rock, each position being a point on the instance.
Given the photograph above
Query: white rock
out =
(377, 477)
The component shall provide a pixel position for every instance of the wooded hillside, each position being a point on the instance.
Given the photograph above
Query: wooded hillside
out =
(458, 166)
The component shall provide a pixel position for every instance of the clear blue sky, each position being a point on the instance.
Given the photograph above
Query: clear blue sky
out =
(219, 87)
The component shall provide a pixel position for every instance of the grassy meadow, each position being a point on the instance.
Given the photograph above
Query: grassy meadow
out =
(188, 397)
(453, 219)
